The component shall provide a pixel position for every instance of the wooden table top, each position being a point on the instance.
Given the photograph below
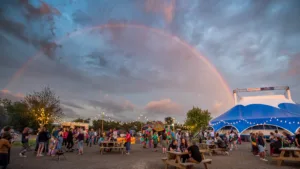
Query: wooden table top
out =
(290, 148)
(177, 153)
(109, 142)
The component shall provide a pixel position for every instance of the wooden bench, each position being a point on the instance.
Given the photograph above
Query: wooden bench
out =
(189, 164)
(184, 165)
(119, 148)
(222, 150)
(282, 156)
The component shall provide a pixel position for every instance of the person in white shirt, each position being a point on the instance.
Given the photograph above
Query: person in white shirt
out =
(95, 138)
(115, 134)
(178, 137)
(212, 134)
(187, 136)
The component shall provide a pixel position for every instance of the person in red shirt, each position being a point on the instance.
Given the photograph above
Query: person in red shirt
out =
(128, 142)
(65, 136)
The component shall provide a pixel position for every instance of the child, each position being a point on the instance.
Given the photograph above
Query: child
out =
(59, 141)
(146, 140)
(101, 138)
(164, 143)
(155, 141)
(24, 140)
(52, 147)
(4, 147)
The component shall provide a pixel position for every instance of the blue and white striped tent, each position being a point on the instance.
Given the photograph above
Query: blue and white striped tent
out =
(277, 111)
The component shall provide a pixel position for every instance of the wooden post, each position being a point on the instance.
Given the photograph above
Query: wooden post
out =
(102, 121)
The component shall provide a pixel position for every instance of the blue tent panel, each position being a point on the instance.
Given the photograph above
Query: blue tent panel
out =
(241, 117)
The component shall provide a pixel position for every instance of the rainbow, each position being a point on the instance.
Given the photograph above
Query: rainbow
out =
(137, 26)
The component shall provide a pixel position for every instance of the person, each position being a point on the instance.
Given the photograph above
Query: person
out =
(55, 132)
(261, 146)
(155, 141)
(5, 145)
(232, 140)
(288, 139)
(187, 136)
(164, 143)
(297, 138)
(145, 143)
(212, 134)
(128, 142)
(221, 143)
(150, 141)
(43, 137)
(65, 136)
(80, 140)
(70, 142)
(91, 137)
(95, 137)
(60, 140)
(183, 148)
(115, 134)
(101, 138)
(24, 140)
(277, 134)
(178, 137)
(254, 145)
(52, 145)
(272, 140)
(195, 156)
(276, 145)
(173, 146)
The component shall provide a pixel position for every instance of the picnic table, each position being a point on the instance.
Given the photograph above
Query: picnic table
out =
(212, 148)
(291, 150)
(111, 145)
(171, 161)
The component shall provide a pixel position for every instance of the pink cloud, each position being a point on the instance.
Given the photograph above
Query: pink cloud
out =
(164, 8)
(166, 106)
(294, 66)
(7, 94)
(5, 91)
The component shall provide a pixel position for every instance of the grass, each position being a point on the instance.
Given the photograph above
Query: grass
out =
(18, 143)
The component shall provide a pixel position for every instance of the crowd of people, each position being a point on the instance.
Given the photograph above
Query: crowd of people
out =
(61, 140)
(277, 141)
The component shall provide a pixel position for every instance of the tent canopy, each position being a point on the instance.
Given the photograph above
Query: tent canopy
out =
(286, 115)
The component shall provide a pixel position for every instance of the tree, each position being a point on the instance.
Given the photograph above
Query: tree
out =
(197, 119)
(17, 115)
(44, 105)
(169, 120)
(3, 115)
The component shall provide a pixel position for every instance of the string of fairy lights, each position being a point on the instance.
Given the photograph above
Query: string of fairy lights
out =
(141, 118)
(255, 122)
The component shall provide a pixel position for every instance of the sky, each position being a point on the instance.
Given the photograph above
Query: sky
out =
(149, 57)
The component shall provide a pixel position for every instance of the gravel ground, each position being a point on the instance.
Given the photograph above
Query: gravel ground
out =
(139, 159)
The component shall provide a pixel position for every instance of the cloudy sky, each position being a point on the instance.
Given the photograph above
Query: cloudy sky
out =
(153, 57)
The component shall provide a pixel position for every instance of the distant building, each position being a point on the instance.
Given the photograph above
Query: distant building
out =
(74, 125)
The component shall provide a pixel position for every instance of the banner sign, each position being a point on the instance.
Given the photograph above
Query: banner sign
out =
(267, 88)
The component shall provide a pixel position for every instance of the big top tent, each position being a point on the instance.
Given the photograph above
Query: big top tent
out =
(274, 110)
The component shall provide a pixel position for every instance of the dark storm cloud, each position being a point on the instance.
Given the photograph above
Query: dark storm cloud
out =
(70, 113)
(70, 104)
(24, 32)
(81, 17)
(112, 106)
(252, 44)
